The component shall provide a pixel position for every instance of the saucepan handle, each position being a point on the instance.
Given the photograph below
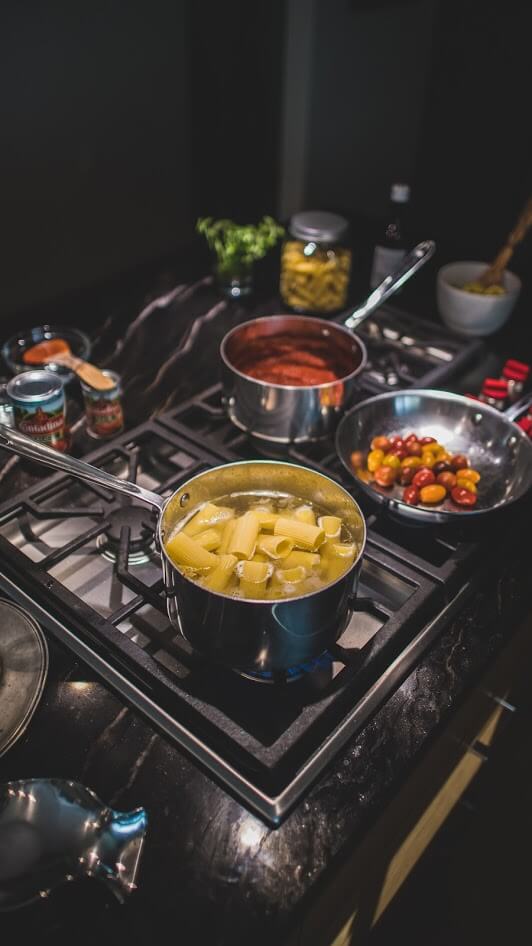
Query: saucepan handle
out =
(410, 265)
(515, 410)
(33, 450)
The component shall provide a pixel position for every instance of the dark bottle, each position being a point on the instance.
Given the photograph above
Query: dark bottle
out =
(392, 243)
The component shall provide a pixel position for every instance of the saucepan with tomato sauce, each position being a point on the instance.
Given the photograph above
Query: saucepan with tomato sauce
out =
(289, 378)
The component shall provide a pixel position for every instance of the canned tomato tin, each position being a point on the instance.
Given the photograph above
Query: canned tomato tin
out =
(38, 403)
(103, 409)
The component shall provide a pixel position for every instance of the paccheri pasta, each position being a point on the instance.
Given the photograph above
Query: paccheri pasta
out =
(262, 547)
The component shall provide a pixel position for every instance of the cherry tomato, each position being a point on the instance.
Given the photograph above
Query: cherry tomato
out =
(425, 440)
(462, 497)
(406, 475)
(397, 441)
(414, 448)
(375, 458)
(468, 474)
(463, 483)
(423, 477)
(434, 493)
(441, 467)
(380, 443)
(458, 462)
(364, 475)
(391, 459)
(411, 496)
(434, 448)
(412, 438)
(447, 479)
(428, 459)
(385, 476)
(400, 452)
(357, 459)
(411, 461)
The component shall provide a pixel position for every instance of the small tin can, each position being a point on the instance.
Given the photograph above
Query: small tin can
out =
(38, 403)
(103, 409)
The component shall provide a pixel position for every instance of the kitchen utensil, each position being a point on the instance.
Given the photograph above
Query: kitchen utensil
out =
(57, 351)
(287, 413)
(53, 831)
(472, 313)
(495, 446)
(13, 349)
(492, 276)
(248, 635)
(23, 667)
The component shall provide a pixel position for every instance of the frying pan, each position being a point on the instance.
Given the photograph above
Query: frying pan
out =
(494, 445)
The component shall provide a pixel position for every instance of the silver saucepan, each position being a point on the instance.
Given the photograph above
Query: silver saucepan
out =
(286, 412)
(494, 445)
(248, 635)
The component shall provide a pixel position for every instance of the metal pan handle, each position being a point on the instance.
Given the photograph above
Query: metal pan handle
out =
(33, 450)
(410, 265)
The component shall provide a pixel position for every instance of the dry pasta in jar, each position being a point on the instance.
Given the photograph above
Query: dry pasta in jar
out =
(315, 266)
(262, 546)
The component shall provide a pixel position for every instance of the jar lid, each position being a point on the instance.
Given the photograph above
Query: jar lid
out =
(318, 225)
(400, 193)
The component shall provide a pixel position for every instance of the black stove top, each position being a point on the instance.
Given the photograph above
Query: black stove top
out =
(84, 563)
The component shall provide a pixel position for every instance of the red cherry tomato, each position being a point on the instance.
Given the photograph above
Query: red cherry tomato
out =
(406, 475)
(412, 438)
(414, 448)
(400, 452)
(423, 477)
(462, 497)
(425, 440)
(441, 467)
(411, 495)
(396, 441)
(447, 479)
(458, 462)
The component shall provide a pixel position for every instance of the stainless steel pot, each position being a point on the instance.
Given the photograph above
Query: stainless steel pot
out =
(284, 413)
(250, 636)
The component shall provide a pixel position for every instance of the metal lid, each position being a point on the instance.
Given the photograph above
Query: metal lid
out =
(319, 226)
(34, 386)
(400, 193)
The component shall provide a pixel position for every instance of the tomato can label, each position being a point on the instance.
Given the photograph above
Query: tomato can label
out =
(103, 409)
(38, 404)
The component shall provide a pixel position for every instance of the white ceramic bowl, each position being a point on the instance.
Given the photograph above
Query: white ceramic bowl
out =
(471, 313)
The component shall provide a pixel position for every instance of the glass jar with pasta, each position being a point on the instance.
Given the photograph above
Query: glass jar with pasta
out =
(316, 263)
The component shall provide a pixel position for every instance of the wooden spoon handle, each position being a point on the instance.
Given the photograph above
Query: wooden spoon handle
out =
(493, 274)
(88, 373)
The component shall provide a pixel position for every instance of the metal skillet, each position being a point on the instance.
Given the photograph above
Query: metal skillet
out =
(494, 445)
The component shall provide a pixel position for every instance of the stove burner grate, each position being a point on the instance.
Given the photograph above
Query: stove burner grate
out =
(323, 662)
(139, 537)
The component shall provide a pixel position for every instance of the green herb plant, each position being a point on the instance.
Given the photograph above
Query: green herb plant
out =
(237, 246)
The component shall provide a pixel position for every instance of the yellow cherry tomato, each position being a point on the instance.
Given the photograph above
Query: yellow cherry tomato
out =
(375, 458)
(432, 448)
(468, 474)
(434, 493)
(467, 484)
(411, 461)
(428, 459)
(391, 459)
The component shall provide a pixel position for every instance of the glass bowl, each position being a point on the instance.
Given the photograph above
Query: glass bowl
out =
(14, 348)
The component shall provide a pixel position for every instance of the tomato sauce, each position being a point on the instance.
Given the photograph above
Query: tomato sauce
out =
(291, 360)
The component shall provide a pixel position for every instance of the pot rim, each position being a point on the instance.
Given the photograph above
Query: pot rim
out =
(265, 601)
(294, 387)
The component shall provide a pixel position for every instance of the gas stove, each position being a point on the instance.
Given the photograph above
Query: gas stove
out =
(85, 564)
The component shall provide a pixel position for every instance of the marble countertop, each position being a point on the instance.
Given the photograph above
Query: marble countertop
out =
(210, 869)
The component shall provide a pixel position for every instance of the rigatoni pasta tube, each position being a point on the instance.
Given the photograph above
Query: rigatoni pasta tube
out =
(267, 517)
(338, 558)
(332, 526)
(244, 537)
(208, 515)
(306, 537)
(309, 560)
(253, 578)
(183, 550)
(220, 576)
(210, 539)
(227, 534)
(289, 576)
(305, 514)
(275, 546)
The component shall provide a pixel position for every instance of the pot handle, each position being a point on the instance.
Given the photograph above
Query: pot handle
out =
(410, 265)
(33, 450)
(514, 410)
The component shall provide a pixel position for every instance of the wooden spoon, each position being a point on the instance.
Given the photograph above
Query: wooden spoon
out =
(58, 351)
(492, 276)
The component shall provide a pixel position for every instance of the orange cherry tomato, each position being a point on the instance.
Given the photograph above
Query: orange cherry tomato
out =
(447, 479)
(414, 448)
(375, 458)
(423, 477)
(357, 459)
(434, 493)
(464, 483)
(385, 476)
(380, 443)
